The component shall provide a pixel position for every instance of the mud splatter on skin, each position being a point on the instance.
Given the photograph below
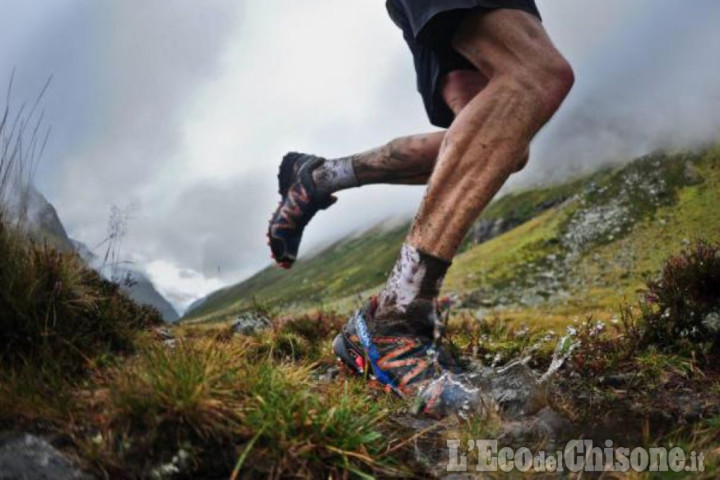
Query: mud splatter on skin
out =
(406, 160)
(407, 303)
(334, 175)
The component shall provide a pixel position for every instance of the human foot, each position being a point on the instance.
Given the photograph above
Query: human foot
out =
(299, 203)
(410, 363)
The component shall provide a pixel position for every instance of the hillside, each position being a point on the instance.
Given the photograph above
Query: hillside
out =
(101, 392)
(344, 269)
(139, 287)
(43, 224)
(559, 251)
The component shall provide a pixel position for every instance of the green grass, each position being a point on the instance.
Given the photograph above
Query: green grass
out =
(499, 260)
(692, 217)
(233, 407)
(55, 309)
(220, 405)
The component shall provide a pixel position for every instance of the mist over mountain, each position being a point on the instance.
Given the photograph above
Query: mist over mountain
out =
(652, 85)
(40, 219)
(133, 281)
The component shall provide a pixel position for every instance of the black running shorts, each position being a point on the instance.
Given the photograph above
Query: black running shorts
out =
(428, 27)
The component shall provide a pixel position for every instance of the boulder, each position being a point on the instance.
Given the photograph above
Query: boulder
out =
(250, 323)
(24, 456)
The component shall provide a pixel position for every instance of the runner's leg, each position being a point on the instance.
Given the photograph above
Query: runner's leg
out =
(406, 160)
(528, 80)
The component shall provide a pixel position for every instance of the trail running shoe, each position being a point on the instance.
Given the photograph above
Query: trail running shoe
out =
(300, 202)
(408, 365)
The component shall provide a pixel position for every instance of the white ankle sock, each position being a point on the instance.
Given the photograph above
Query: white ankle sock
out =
(334, 175)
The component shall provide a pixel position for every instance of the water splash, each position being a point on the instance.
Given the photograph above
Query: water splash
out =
(565, 347)
(449, 394)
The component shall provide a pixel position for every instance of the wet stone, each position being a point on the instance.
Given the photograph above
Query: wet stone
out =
(26, 456)
(517, 391)
(327, 375)
(542, 428)
(450, 395)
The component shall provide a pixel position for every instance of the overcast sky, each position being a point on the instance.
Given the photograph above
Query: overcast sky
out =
(184, 108)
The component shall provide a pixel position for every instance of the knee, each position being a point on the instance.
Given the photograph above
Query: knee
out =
(547, 81)
(560, 78)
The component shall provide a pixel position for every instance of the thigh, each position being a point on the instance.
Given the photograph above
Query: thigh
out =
(501, 40)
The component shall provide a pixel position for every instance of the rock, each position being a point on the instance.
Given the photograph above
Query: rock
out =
(164, 334)
(24, 456)
(328, 374)
(531, 299)
(517, 391)
(691, 175)
(457, 397)
(250, 323)
(546, 426)
(514, 388)
(488, 229)
(480, 299)
(178, 465)
(712, 322)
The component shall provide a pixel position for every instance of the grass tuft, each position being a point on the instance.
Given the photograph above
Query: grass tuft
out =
(234, 415)
(53, 309)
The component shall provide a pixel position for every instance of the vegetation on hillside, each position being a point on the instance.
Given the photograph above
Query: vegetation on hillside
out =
(53, 309)
(347, 268)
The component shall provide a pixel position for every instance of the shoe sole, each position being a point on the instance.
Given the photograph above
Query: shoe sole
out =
(350, 360)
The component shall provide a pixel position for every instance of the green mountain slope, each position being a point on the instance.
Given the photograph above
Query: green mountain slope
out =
(594, 252)
(564, 250)
(346, 268)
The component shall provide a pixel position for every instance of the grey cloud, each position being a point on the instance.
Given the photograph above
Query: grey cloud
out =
(655, 84)
(213, 226)
(146, 58)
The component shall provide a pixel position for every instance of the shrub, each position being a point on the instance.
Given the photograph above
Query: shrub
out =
(682, 307)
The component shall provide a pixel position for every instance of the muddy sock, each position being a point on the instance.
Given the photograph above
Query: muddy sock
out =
(334, 175)
(407, 303)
